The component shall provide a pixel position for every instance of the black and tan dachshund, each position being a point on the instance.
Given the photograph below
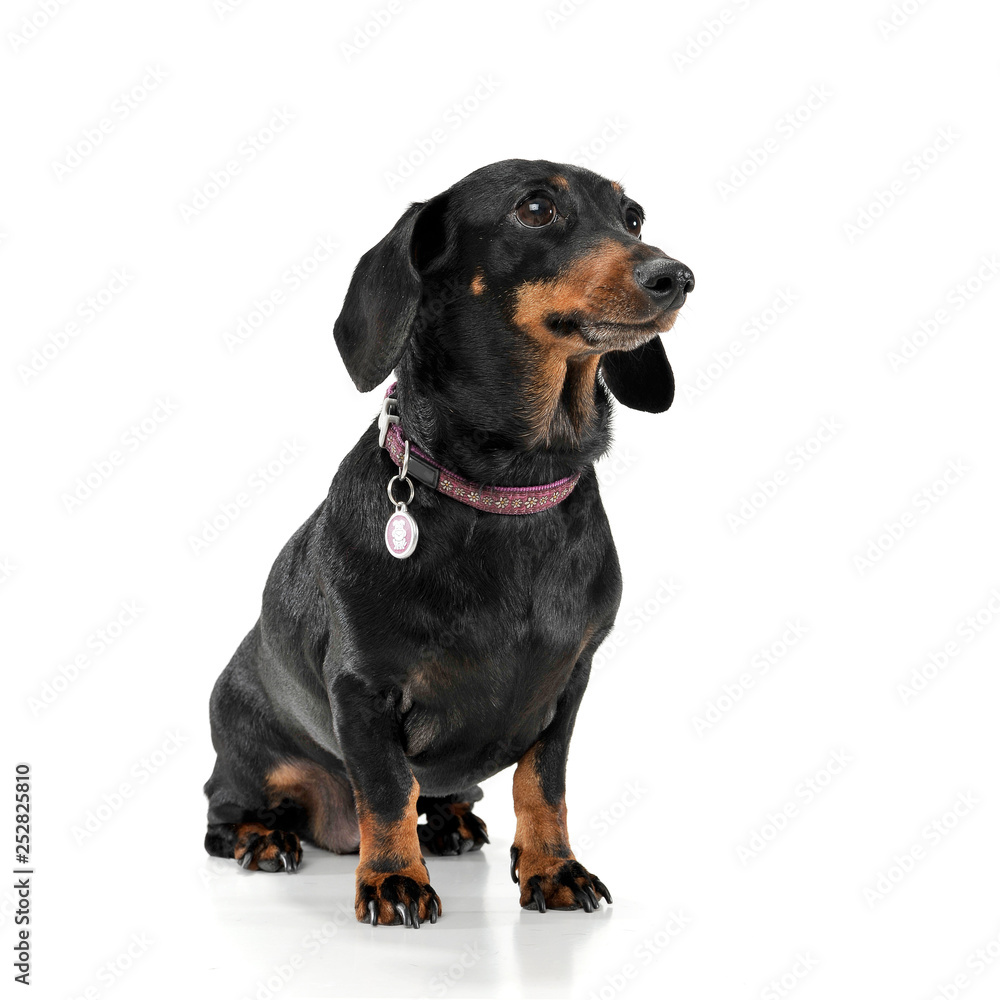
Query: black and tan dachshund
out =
(395, 665)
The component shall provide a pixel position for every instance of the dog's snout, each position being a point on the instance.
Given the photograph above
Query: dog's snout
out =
(665, 280)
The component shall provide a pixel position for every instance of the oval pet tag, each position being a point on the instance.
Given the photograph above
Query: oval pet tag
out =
(401, 533)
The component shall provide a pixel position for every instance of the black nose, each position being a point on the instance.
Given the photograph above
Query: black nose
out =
(666, 280)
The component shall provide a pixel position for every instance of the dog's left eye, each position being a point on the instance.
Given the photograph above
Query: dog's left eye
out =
(633, 222)
(536, 212)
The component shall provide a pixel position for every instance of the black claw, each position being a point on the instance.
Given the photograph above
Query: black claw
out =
(464, 846)
(403, 915)
(286, 861)
(415, 915)
(478, 830)
(539, 897)
(247, 859)
(584, 900)
(433, 911)
(602, 889)
(514, 854)
(372, 913)
(591, 896)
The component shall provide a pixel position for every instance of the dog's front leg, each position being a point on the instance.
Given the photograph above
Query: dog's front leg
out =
(391, 879)
(541, 860)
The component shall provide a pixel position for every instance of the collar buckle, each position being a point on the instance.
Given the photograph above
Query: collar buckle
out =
(388, 415)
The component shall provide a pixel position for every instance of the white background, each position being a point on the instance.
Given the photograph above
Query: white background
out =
(755, 502)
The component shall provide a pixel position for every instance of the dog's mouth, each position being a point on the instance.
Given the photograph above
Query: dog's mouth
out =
(602, 333)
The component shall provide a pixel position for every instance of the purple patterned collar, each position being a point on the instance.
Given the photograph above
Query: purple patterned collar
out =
(495, 499)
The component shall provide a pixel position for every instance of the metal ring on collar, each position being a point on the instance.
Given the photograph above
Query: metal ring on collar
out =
(405, 479)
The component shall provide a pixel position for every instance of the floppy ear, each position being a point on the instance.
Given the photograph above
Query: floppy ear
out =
(642, 378)
(384, 294)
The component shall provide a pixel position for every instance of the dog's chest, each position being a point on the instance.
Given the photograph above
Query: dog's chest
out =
(488, 624)
(493, 669)
(508, 696)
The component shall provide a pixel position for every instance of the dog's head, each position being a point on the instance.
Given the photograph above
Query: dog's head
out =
(527, 270)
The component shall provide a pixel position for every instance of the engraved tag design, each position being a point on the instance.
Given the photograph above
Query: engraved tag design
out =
(401, 533)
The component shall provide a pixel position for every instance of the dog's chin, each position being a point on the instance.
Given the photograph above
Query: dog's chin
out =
(612, 335)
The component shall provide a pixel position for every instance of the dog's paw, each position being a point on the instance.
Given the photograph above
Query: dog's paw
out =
(452, 828)
(551, 883)
(259, 849)
(400, 897)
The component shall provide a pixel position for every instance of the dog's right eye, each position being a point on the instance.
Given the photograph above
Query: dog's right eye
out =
(536, 212)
